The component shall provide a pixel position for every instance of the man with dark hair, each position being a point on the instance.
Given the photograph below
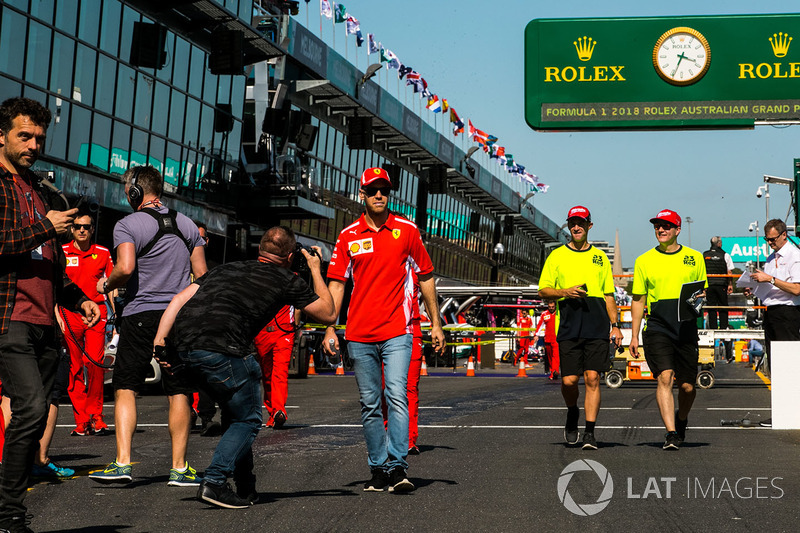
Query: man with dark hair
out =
(718, 262)
(779, 288)
(379, 251)
(215, 320)
(32, 281)
(86, 263)
(157, 249)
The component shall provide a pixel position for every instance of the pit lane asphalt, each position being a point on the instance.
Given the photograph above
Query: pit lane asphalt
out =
(493, 459)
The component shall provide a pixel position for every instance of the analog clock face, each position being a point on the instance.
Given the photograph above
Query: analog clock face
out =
(681, 56)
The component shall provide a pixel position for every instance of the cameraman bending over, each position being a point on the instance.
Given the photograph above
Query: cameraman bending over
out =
(216, 319)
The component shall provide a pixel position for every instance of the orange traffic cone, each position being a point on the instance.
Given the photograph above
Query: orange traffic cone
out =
(521, 372)
(423, 371)
(340, 369)
(470, 367)
(311, 370)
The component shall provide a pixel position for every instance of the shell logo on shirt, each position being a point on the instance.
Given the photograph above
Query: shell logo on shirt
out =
(94, 256)
(396, 233)
(72, 261)
(363, 246)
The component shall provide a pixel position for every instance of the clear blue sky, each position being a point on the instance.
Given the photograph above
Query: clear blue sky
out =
(471, 52)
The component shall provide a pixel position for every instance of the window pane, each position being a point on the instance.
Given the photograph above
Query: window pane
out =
(172, 165)
(139, 141)
(196, 71)
(56, 144)
(38, 48)
(110, 27)
(165, 73)
(237, 96)
(180, 74)
(66, 16)
(61, 65)
(192, 122)
(224, 90)
(120, 147)
(89, 21)
(42, 9)
(106, 79)
(79, 126)
(161, 108)
(125, 91)
(207, 128)
(176, 115)
(83, 89)
(129, 16)
(22, 4)
(9, 87)
(156, 153)
(210, 87)
(101, 139)
(144, 100)
(12, 33)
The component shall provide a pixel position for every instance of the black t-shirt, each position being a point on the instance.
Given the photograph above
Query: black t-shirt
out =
(234, 302)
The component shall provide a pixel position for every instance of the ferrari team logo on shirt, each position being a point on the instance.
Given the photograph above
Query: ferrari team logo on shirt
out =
(396, 233)
(72, 261)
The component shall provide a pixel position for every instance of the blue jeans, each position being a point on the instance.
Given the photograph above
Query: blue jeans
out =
(235, 383)
(386, 448)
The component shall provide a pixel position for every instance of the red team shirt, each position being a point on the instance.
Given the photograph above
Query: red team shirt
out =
(85, 268)
(381, 265)
(548, 322)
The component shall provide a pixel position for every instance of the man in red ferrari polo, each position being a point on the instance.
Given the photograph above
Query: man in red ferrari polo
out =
(379, 251)
(86, 263)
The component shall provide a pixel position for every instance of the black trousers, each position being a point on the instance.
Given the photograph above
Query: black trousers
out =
(717, 295)
(781, 323)
(28, 362)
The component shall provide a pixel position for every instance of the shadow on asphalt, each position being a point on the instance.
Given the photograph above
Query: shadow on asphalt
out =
(684, 445)
(107, 528)
(600, 444)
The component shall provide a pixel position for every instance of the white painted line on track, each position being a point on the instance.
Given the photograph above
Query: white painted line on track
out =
(560, 426)
(433, 407)
(653, 408)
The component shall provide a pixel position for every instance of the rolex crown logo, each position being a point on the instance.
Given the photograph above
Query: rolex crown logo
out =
(585, 47)
(780, 44)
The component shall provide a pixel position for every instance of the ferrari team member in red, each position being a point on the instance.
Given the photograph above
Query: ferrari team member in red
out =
(525, 321)
(274, 348)
(547, 328)
(86, 263)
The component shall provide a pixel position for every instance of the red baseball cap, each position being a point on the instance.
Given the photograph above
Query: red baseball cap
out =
(580, 212)
(374, 174)
(667, 215)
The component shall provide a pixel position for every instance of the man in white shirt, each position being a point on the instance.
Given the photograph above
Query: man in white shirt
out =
(782, 298)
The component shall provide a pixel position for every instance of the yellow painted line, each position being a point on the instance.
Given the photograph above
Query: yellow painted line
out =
(765, 379)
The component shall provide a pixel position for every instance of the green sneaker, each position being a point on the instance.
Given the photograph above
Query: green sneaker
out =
(187, 478)
(113, 473)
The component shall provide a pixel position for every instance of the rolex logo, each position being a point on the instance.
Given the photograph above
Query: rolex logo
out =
(780, 44)
(585, 47)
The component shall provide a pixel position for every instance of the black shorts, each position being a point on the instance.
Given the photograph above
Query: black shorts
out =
(135, 351)
(580, 355)
(663, 352)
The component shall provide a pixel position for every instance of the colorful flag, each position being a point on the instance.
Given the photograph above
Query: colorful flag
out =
(491, 139)
(476, 135)
(372, 45)
(340, 13)
(394, 61)
(416, 81)
(445, 105)
(425, 92)
(403, 70)
(458, 124)
(352, 25)
(434, 104)
(325, 9)
(542, 188)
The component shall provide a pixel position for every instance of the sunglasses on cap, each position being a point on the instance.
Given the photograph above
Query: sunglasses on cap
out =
(372, 191)
(78, 227)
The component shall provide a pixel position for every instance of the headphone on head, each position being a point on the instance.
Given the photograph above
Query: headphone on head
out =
(135, 191)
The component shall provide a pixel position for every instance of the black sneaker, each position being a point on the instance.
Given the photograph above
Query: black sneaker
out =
(279, 419)
(766, 423)
(680, 427)
(378, 482)
(221, 496)
(414, 450)
(210, 428)
(672, 441)
(398, 481)
(16, 524)
(589, 442)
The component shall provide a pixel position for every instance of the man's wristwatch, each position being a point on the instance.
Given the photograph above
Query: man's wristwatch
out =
(772, 281)
(105, 287)
(615, 325)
